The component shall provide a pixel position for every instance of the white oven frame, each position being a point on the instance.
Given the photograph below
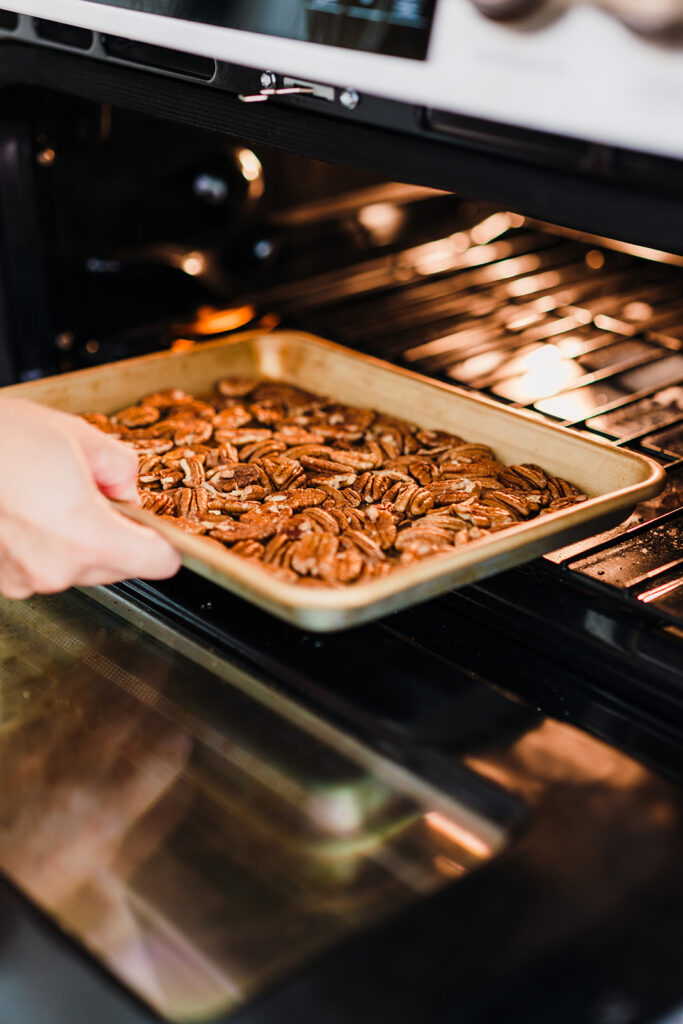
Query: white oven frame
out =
(583, 75)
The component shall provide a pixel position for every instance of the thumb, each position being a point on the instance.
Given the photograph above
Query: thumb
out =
(113, 465)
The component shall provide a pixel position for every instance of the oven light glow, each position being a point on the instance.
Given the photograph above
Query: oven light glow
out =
(547, 371)
(533, 283)
(250, 165)
(637, 312)
(595, 259)
(492, 227)
(193, 264)
(458, 834)
(215, 321)
(381, 220)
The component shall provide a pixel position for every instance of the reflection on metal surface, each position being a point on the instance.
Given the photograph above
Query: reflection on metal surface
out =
(217, 321)
(197, 841)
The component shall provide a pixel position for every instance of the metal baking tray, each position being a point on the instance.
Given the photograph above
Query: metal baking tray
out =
(615, 480)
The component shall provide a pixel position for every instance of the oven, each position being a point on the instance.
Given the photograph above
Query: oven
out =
(469, 810)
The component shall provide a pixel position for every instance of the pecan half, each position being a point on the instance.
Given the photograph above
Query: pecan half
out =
(137, 416)
(282, 473)
(409, 499)
(230, 418)
(193, 431)
(236, 387)
(158, 502)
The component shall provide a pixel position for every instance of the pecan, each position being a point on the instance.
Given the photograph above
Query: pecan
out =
(137, 416)
(314, 555)
(391, 441)
(365, 545)
(285, 394)
(303, 497)
(437, 439)
(527, 478)
(150, 470)
(224, 454)
(158, 445)
(409, 499)
(242, 435)
(276, 550)
(350, 418)
(373, 486)
(230, 505)
(423, 541)
(466, 453)
(293, 435)
(512, 500)
(171, 477)
(381, 527)
(163, 429)
(249, 549)
(164, 400)
(321, 519)
(229, 531)
(324, 467)
(424, 471)
(340, 433)
(235, 387)
(234, 477)
(349, 565)
(191, 501)
(230, 418)
(354, 518)
(261, 450)
(488, 516)
(356, 459)
(102, 422)
(194, 472)
(267, 413)
(188, 451)
(282, 473)
(471, 470)
(276, 515)
(450, 492)
(560, 488)
(557, 504)
(191, 409)
(192, 431)
(159, 502)
(340, 481)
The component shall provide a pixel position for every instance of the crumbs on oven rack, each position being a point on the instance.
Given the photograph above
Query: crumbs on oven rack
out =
(318, 492)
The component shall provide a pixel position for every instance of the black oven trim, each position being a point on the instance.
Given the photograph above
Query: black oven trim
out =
(472, 161)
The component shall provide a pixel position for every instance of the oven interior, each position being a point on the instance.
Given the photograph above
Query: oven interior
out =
(130, 233)
(122, 234)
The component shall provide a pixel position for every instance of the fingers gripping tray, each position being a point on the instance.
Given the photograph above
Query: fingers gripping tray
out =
(613, 479)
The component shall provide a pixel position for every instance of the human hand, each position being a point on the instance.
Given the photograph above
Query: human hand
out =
(57, 529)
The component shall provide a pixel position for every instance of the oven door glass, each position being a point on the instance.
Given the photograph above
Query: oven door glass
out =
(199, 833)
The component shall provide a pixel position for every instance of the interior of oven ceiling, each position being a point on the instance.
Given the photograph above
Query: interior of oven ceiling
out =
(128, 233)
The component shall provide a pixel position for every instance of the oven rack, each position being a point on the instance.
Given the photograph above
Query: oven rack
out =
(580, 334)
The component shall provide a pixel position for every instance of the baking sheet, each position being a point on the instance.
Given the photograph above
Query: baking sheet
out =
(615, 480)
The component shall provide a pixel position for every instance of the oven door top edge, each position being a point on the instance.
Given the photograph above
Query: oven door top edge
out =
(472, 66)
